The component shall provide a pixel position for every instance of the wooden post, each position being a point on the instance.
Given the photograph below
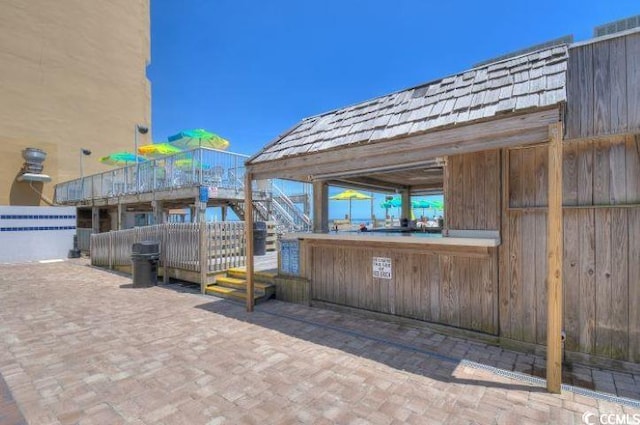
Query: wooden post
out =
(158, 212)
(111, 250)
(248, 227)
(120, 218)
(201, 208)
(321, 207)
(554, 262)
(204, 255)
(406, 204)
(165, 244)
(95, 219)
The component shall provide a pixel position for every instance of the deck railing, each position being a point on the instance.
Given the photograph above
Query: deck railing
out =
(197, 167)
(179, 245)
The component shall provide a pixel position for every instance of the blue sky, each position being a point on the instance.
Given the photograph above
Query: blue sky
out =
(249, 70)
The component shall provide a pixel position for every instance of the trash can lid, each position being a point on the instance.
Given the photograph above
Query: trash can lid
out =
(146, 247)
(261, 225)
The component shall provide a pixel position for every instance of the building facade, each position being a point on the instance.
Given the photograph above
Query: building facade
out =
(72, 76)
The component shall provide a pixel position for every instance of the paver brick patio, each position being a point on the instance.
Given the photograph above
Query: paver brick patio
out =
(79, 345)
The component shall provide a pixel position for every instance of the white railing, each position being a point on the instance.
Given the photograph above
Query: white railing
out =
(297, 219)
(179, 245)
(197, 167)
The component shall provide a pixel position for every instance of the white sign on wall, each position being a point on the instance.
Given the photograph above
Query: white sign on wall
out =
(381, 268)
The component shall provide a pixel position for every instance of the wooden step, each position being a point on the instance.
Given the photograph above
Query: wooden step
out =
(236, 283)
(239, 295)
(264, 277)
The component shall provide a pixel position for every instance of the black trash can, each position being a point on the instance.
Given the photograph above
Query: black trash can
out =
(259, 238)
(144, 259)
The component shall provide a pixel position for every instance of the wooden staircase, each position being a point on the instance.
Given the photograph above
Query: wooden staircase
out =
(233, 286)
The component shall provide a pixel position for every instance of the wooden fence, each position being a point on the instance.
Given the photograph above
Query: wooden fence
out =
(179, 245)
(84, 238)
(601, 247)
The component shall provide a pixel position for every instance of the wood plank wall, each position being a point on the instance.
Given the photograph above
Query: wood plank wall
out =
(603, 88)
(601, 191)
(472, 200)
(451, 289)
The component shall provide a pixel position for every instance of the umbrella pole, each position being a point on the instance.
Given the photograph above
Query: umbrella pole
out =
(373, 222)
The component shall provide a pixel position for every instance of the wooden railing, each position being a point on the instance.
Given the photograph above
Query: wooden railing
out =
(179, 245)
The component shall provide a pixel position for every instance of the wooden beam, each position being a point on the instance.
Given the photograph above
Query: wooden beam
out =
(367, 183)
(510, 131)
(248, 227)
(320, 207)
(554, 261)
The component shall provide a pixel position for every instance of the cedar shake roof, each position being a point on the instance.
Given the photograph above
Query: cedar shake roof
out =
(532, 80)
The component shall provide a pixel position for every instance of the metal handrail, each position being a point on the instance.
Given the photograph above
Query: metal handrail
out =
(189, 168)
(291, 208)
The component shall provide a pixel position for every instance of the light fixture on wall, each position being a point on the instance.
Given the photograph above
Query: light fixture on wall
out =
(83, 152)
(142, 129)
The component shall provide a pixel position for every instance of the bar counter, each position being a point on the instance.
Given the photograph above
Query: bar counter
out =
(448, 280)
(422, 238)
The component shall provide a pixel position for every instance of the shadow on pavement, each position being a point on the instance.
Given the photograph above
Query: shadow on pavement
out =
(386, 350)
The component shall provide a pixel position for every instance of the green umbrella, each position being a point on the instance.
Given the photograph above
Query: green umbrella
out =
(392, 203)
(198, 138)
(121, 158)
(422, 204)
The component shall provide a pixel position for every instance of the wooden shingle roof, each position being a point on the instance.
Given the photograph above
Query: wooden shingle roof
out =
(532, 80)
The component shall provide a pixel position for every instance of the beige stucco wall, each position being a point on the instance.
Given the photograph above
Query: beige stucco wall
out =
(72, 75)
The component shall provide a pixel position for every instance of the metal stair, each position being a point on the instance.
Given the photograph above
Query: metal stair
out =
(280, 209)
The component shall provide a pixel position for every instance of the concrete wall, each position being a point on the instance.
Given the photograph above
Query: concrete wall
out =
(36, 233)
(72, 75)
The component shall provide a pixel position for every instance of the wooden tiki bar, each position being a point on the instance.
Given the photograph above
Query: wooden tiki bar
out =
(538, 158)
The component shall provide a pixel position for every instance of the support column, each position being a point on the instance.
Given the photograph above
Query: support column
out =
(120, 217)
(158, 212)
(554, 261)
(223, 210)
(406, 204)
(248, 227)
(95, 219)
(320, 207)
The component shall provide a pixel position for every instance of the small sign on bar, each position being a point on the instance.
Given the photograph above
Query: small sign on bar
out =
(382, 268)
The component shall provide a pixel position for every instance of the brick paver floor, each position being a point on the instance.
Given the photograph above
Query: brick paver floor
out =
(79, 345)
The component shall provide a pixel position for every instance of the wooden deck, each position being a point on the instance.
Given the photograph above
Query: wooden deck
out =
(265, 263)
